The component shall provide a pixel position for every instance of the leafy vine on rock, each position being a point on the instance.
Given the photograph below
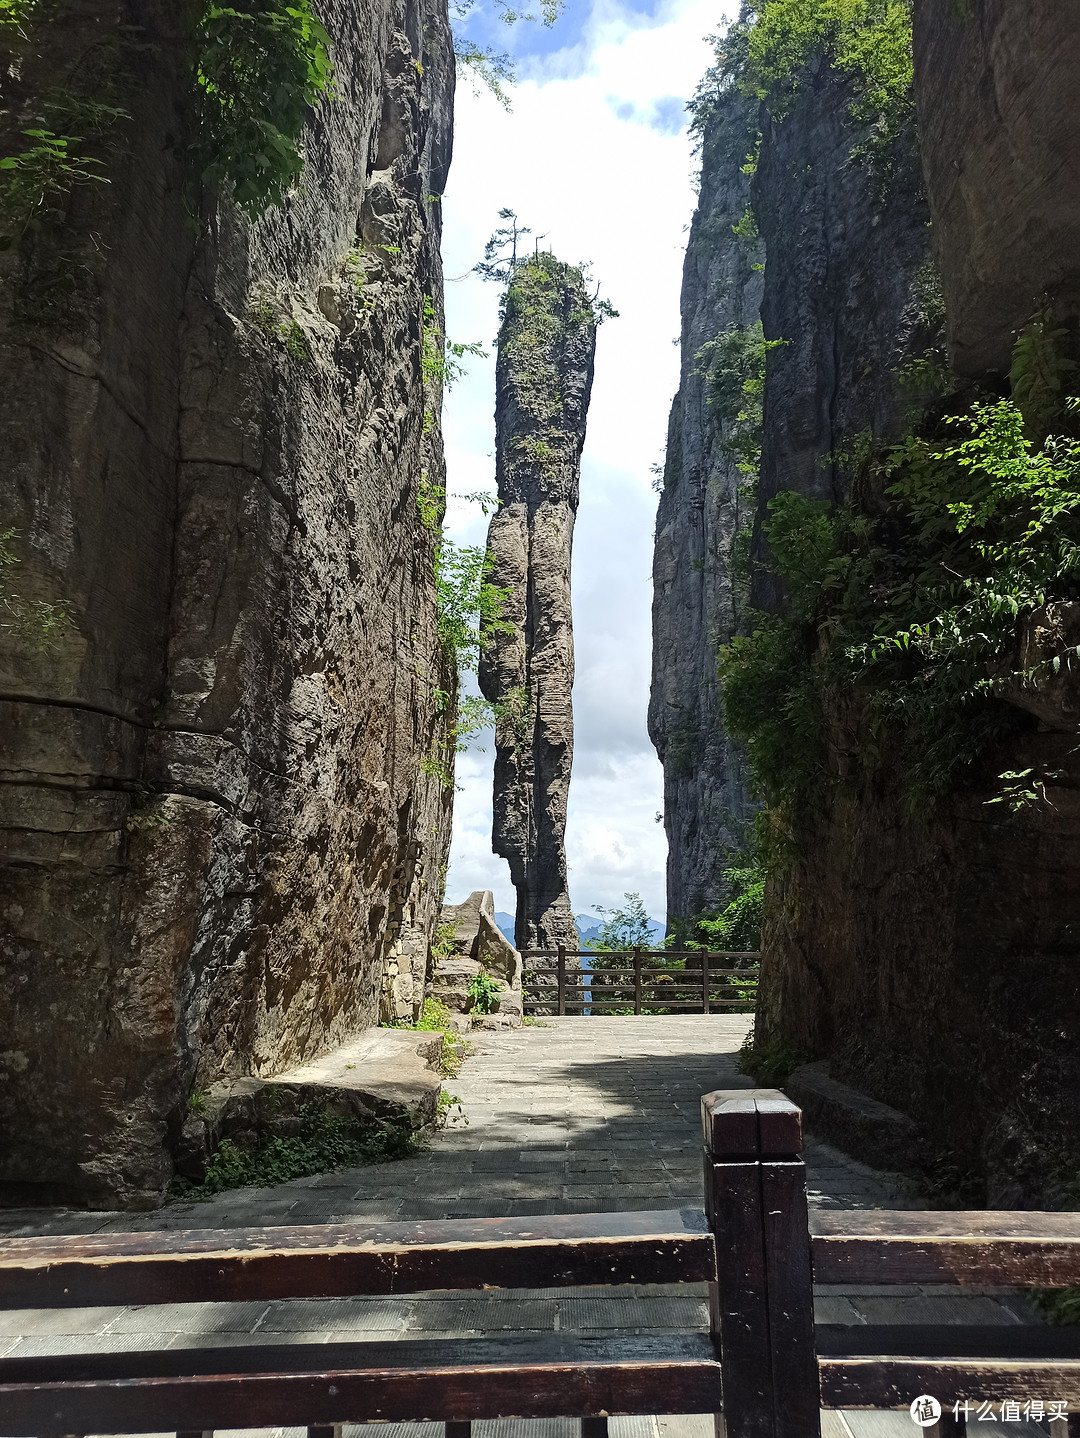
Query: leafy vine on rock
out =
(905, 623)
(262, 65)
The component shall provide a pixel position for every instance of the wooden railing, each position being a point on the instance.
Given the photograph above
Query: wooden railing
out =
(779, 1370)
(325, 1385)
(708, 982)
(752, 1244)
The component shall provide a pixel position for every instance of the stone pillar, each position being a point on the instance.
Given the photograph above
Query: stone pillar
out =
(547, 343)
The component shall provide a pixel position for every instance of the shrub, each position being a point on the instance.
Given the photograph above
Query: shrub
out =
(262, 65)
(485, 993)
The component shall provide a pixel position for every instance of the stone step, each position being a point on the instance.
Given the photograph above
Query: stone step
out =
(389, 1074)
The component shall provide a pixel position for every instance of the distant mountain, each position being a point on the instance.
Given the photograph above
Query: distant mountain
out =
(588, 927)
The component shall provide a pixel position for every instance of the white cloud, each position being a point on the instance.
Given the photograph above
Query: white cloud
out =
(589, 158)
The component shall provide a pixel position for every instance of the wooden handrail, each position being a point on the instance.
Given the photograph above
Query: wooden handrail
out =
(970, 1249)
(754, 1244)
(342, 1260)
(638, 983)
(778, 1370)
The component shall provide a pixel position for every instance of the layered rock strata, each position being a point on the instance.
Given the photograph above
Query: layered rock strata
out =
(706, 504)
(215, 827)
(547, 343)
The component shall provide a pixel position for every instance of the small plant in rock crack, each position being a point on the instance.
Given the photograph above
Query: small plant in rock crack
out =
(446, 1115)
(485, 993)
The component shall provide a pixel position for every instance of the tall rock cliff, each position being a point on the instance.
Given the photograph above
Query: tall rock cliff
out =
(547, 344)
(706, 506)
(1001, 152)
(928, 949)
(921, 920)
(215, 834)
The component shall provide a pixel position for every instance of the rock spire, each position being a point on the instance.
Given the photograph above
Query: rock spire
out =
(546, 346)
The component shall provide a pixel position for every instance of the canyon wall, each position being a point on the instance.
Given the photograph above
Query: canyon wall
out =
(706, 503)
(216, 836)
(1000, 139)
(926, 949)
(546, 349)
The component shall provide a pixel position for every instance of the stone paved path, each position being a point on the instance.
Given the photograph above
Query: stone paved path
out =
(583, 1114)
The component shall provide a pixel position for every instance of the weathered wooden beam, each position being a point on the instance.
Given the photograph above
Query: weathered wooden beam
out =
(894, 1382)
(341, 1260)
(739, 1304)
(790, 1288)
(976, 1249)
(1012, 1341)
(322, 1385)
(760, 1122)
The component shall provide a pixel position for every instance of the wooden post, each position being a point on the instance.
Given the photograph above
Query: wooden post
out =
(637, 980)
(704, 981)
(762, 1309)
(561, 974)
(739, 1320)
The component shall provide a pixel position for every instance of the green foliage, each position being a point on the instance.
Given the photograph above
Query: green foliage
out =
(262, 65)
(1042, 373)
(13, 13)
(443, 942)
(1060, 1306)
(445, 1114)
(733, 367)
(623, 928)
(35, 184)
(491, 69)
(34, 623)
(326, 1142)
(437, 1018)
(771, 1064)
(470, 606)
(440, 359)
(737, 928)
(501, 251)
(913, 616)
(768, 55)
(485, 993)
(870, 39)
(293, 338)
(513, 709)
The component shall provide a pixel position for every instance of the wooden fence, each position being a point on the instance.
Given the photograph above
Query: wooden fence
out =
(752, 1244)
(639, 982)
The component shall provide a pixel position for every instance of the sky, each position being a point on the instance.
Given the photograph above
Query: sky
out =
(594, 156)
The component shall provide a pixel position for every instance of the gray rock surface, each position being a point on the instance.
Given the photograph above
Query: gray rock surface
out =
(846, 283)
(704, 504)
(478, 948)
(927, 949)
(1000, 139)
(386, 1074)
(547, 343)
(215, 833)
